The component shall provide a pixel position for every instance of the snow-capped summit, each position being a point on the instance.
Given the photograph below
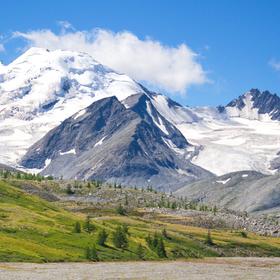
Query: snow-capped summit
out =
(41, 88)
(41, 80)
(255, 105)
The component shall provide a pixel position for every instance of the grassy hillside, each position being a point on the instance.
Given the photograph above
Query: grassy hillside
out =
(35, 230)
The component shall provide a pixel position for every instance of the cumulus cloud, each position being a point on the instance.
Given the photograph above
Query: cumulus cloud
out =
(275, 64)
(169, 68)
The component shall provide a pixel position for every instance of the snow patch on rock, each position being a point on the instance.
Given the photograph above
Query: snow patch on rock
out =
(72, 151)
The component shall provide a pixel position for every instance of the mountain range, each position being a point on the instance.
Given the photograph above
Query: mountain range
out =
(64, 114)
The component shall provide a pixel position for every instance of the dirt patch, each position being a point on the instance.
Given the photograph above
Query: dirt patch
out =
(211, 268)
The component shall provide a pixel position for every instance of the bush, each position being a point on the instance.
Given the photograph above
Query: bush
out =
(102, 237)
(244, 234)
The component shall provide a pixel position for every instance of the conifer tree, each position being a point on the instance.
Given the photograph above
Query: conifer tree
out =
(120, 210)
(209, 240)
(119, 238)
(88, 226)
(91, 254)
(140, 252)
(164, 233)
(160, 249)
(102, 237)
(77, 227)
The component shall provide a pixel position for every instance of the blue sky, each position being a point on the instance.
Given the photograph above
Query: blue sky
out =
(236, 41)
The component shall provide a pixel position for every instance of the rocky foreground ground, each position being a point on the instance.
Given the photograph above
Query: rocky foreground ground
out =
(214, 268)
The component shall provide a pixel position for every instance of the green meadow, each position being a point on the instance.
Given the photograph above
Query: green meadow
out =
(35, 230)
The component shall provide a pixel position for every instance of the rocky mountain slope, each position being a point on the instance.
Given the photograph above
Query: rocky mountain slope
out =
(254, 105)
(248, 191)
(134, 145)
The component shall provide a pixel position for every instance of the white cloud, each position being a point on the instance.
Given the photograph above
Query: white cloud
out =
(169, 68)
(275, 64)
(65, 25)
(2, 48)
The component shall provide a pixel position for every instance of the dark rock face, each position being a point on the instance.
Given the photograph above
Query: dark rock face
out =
(265, 102)
(107, 141)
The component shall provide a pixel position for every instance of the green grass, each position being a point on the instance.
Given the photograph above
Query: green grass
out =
(34, 230)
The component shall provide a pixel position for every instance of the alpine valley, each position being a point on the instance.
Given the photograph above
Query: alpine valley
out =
(64, 114)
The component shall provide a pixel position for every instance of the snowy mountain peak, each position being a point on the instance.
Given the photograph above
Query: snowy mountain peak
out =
(41, 88)
(255, 105)
(40, 80)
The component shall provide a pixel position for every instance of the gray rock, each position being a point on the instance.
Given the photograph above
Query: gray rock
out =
(248, 191)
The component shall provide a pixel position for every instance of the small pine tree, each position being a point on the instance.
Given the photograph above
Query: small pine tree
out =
(160, 249)
(91, 254)
(6, 174)
(209, 240)
(215, 210)
(174, 205)
(164, 233)
(125, 229)
(88, 253)
(121, 210)
(140, 252)
(149, 241)
(69, 190)
(94, 254)
(155, 241)
(119, 238)
(88, 226)
(102, 237)
(77, 227)
(168, 204)
(126, 200)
